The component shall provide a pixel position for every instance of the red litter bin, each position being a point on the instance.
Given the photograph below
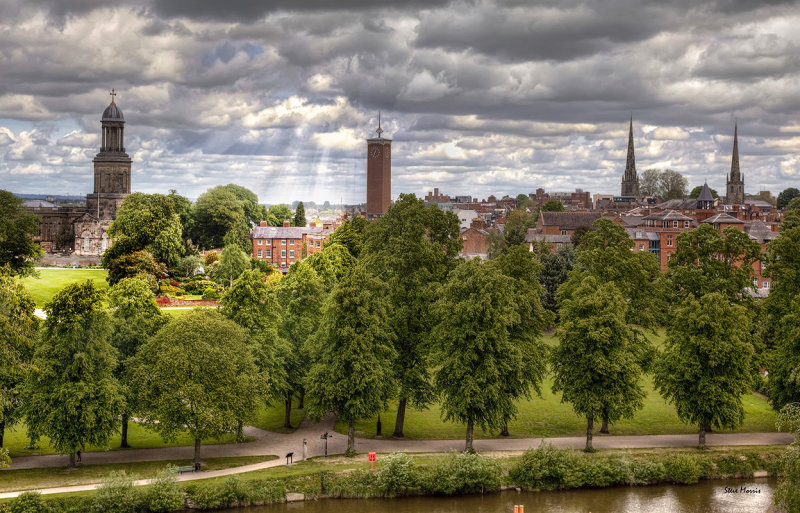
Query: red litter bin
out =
(372, 457)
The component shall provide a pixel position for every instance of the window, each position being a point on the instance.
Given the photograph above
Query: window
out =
(291, 242)
(269, 253)
(85, 243)
(283, 253)
(260, 242)
(563, 232)
(291, 253)
(669, 240)
(674, 224)
(317, 243)
(641, 247)
(765, 284)
(283, 243)
(668, 255)
(686, 224)
(755, 282)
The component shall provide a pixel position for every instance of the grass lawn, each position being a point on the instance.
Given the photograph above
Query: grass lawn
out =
(548, 417)
(139, 437)
(36, 478)
(271, 417)
(51, 281)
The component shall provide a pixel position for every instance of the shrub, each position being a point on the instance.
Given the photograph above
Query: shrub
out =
(28, 502)
(736, 465)
(233, 492)
(164, 494)
(397, 476)
(601, 471)
(210, 293)
(117, 494)
(648, 472)
(204, 495)
(547, 468)
(682, 468)
(211, 258)
(356, 483)
(464, 473)
(267, 491)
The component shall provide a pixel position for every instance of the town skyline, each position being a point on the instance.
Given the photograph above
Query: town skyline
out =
(282, 102)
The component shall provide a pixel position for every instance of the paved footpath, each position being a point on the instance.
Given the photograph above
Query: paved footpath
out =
(269, 443)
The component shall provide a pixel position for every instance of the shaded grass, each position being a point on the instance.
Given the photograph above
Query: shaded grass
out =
(37, 478)
(139, 437)
(50, 281)
(270, 417)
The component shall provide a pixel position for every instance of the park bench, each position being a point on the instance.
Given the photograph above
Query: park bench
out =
(185, 468)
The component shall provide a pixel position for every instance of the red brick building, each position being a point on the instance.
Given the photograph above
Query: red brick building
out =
(379, 174)
(282, 246)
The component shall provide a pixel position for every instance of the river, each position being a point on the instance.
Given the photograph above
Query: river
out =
(717, 496)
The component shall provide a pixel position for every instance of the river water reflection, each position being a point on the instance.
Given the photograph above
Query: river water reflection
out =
(706, 497)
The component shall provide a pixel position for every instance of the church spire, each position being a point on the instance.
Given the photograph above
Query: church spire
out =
(735, 184)
(630, 180)
(735, 174)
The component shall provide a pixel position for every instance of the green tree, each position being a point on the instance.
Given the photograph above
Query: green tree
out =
(300, 215)
(216, 212)
(352, 374)
(232, 263)
(783, 267)
(138, 263)
(791, 218)
(412, 248)
(251, 303)
(649, 182)
(596, 365)
(706, 261)
(671, 185)
(784, 358)
(555, 271)
(301, 294)
(351, 235)
(135, 318)
(71, 394)
(278, 214)
(146, 222)
(552, 206)
(696, 192)
(332, 263)
(196, 375)
(705, 367)
(18, 331)
(787, 495)
(17, 228)
(523, 201)
(516, 228)
(786, 196)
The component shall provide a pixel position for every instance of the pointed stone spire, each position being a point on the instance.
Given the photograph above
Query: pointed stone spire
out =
(735, 174)
(630, 180)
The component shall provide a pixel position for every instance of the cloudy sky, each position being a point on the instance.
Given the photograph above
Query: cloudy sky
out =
(480, 97)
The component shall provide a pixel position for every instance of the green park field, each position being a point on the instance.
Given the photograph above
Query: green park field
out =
(50, 281)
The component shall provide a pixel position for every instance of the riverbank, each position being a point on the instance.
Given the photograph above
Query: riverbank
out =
(545, 468)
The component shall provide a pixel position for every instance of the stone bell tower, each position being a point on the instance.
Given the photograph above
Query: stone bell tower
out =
(379, 174)
(112, 166)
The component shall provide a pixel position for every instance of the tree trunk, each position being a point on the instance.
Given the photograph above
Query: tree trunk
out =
(124, 442)
(302, 399)
(604, 426)
(589, 427)
(2, 431)
(72, 459)
(401, 418)
(470, 429)
(504, 431)
(707, 427)
(351, 438)
(702, 441)
(240, 430)
(196, 453)
(287, 419)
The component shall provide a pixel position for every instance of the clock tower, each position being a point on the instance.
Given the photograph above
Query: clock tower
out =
(379, 174)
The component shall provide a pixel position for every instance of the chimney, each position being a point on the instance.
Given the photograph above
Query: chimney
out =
(312, 224)
(436, 191)
(286, 223)
(262, 223)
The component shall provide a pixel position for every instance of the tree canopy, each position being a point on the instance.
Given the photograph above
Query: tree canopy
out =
(665, 184)
(786, 196)
(705, 367)
(596, 365)
(351, 235)
(196, 374)
(232, 263)
(412, 248)
(71, 394)
(300, 215)
(17, 228)
(695, 193)
(225, 210)
(352, 372)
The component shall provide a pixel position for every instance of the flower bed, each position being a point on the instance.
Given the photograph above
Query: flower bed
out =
(171, 301)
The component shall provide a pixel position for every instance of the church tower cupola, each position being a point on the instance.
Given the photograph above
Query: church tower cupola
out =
(112, 166)
(630, 180)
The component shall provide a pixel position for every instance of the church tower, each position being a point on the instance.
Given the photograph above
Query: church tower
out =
(630, 180)
(379, 174)
(734, 192)
(112, 166)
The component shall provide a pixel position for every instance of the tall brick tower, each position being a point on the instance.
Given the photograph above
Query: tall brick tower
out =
(379, 174)
(112, 166)
(734, 190)
(630, 180)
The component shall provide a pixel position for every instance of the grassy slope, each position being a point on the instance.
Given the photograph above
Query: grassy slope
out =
(548, 417)
(271, 417)
(36, 478)
(139, 437)
(50, 281)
